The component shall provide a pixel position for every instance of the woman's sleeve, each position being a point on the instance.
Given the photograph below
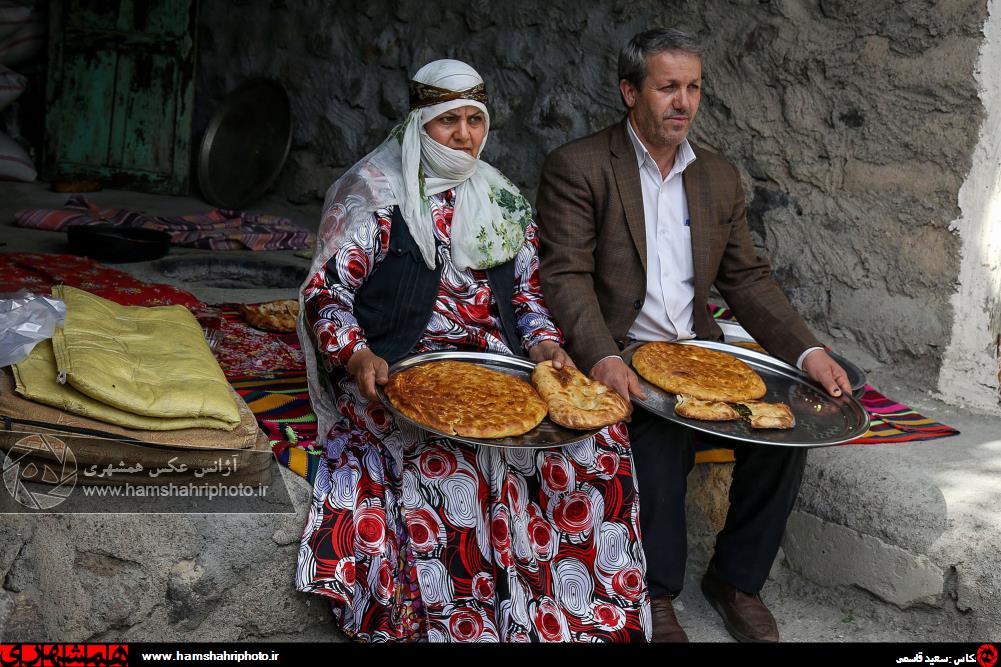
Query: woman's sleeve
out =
(535, 324)
(330, 295)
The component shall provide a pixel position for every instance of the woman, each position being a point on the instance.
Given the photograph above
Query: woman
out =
(417, 538)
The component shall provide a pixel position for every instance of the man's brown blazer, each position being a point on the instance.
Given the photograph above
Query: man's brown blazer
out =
(593, 250)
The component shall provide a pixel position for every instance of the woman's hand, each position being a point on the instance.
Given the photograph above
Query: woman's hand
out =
(368, 370)
(547, 350)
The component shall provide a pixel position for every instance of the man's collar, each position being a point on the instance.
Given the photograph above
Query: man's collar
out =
(682, 158)
(685, 156)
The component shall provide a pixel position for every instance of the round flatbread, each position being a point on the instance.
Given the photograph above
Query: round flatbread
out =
(279, 316)
(698, 372)
(460, 398)
(576, 401)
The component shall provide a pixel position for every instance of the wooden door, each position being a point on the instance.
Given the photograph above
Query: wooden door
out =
(120, 92)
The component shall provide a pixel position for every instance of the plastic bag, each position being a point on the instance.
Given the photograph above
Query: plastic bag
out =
(27, 319)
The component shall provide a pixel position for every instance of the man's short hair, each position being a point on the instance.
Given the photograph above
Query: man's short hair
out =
(632, 57)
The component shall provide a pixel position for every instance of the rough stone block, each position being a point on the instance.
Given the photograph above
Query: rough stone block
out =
(708, 492)
(162, 577)
(833, 555)
(905, 324)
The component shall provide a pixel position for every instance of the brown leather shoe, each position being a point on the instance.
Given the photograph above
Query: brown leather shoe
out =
(665, 624)
(745, 616)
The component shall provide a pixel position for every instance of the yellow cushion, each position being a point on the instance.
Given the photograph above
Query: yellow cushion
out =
(146, 361)
(35, 379)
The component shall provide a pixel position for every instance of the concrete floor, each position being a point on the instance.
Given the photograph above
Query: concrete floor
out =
(887, 543)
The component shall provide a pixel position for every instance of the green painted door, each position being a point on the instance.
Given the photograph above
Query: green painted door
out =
(120, 92)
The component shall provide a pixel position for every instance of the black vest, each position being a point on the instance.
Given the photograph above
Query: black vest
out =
(396, 302)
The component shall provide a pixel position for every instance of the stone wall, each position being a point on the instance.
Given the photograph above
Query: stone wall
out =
(853, 123)
(971, 371)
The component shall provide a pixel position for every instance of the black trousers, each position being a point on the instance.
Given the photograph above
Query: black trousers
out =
(765, 483)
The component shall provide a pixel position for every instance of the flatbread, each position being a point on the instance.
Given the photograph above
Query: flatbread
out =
(575, 400)
(279, 316)
(696, 408)
(769, 415)
(460, 398)
(698, 372)
(758, 414)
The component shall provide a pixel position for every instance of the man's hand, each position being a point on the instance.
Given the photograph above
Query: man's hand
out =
(547, 350)
(368, 370)
(614, 372)
(825, 371)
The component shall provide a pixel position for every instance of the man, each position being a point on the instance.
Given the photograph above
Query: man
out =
(636, 224)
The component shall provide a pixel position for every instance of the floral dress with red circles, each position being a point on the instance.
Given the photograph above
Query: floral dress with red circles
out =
(418, 538)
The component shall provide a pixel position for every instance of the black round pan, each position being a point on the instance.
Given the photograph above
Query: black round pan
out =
(108, 243)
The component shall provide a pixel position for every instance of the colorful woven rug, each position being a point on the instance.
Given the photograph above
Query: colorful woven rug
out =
(219, 229)
(894, 422)
(281, 405)
(268, 371)
(243, 351)
(720, 313)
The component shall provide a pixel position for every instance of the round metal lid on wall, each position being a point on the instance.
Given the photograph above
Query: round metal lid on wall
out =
(245, 145)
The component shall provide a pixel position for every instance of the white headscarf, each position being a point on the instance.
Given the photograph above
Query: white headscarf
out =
(489, 217)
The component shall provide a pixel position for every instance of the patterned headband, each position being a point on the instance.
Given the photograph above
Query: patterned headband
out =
(425, 95)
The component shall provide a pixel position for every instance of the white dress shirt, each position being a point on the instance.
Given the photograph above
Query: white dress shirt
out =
(667, 312)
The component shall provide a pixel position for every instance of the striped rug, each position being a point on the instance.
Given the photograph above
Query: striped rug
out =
(281, 405)
(895, 422)
(218, 229)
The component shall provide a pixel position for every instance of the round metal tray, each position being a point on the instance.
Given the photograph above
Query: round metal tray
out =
(245, 145)
(821, 420)
(734, 333)
(544, 436)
